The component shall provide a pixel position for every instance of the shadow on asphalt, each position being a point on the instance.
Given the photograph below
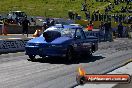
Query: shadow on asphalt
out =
(12, 52)
(58, 60)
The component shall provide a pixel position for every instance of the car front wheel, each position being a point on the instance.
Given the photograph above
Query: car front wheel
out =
(31, 57)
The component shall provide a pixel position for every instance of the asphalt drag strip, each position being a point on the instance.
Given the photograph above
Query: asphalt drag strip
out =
(58, 73)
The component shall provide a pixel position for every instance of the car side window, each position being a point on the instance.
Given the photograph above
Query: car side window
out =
(68, 32)
(78, 34)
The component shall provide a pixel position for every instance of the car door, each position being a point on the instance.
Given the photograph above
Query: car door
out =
(87, 43)
(79, 40)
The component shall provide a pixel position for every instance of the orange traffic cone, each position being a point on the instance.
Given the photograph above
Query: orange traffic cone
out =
(37, 33)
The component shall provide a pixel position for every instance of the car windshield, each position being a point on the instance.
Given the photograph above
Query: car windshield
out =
(68, 32)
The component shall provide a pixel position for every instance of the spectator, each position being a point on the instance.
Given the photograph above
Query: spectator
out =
(70, 14)
(129, 7)
(84, 7)
(105, 16)
(52, 22)
(90, 26)
(99, 17)
(0, 17)
(107, 35)
(129, 19)
(126, 31)
(101, 31)
(4, 28)
(123, 18)
(92, 17)
(106, 9)
(87, 15)
(96, 17)
(120, 30)
(128, 2)
(44, 27)
(76, 15)
(33, 22)
(101, 26)
(73, 15)
(17, 20)
(25, 24)
(48, 22)
(109, 17)
(123, 9)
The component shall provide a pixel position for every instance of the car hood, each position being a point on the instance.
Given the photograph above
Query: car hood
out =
(37, 40)
(58, 40)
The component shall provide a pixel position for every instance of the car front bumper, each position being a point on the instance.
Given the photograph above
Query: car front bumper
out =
(61, 52)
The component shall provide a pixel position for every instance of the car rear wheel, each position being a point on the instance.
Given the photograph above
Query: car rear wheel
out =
(86, 54)
(90, 52)
(31, 57)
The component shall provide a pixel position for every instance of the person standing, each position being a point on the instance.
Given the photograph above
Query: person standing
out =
(90, 26)
(87, 14)
(25, 24)
(44, 27)
(120, 30)
(4, 28)
(101, 26)
(52, 22)
(107, 28)
(32, 22)
(101, 31)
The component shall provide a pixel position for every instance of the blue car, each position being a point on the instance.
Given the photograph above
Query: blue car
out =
(67, 41)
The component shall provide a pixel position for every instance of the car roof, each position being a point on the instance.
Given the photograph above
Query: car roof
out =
(52, 28)
(71, 26)
(67, 26)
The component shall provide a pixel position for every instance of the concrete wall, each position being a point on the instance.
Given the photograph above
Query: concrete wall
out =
(12, 45)
(16, 29)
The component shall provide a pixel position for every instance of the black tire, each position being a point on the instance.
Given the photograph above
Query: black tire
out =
(31, 57)
(93, 48)
(70, 54)
(89, 54)
(43, 57)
